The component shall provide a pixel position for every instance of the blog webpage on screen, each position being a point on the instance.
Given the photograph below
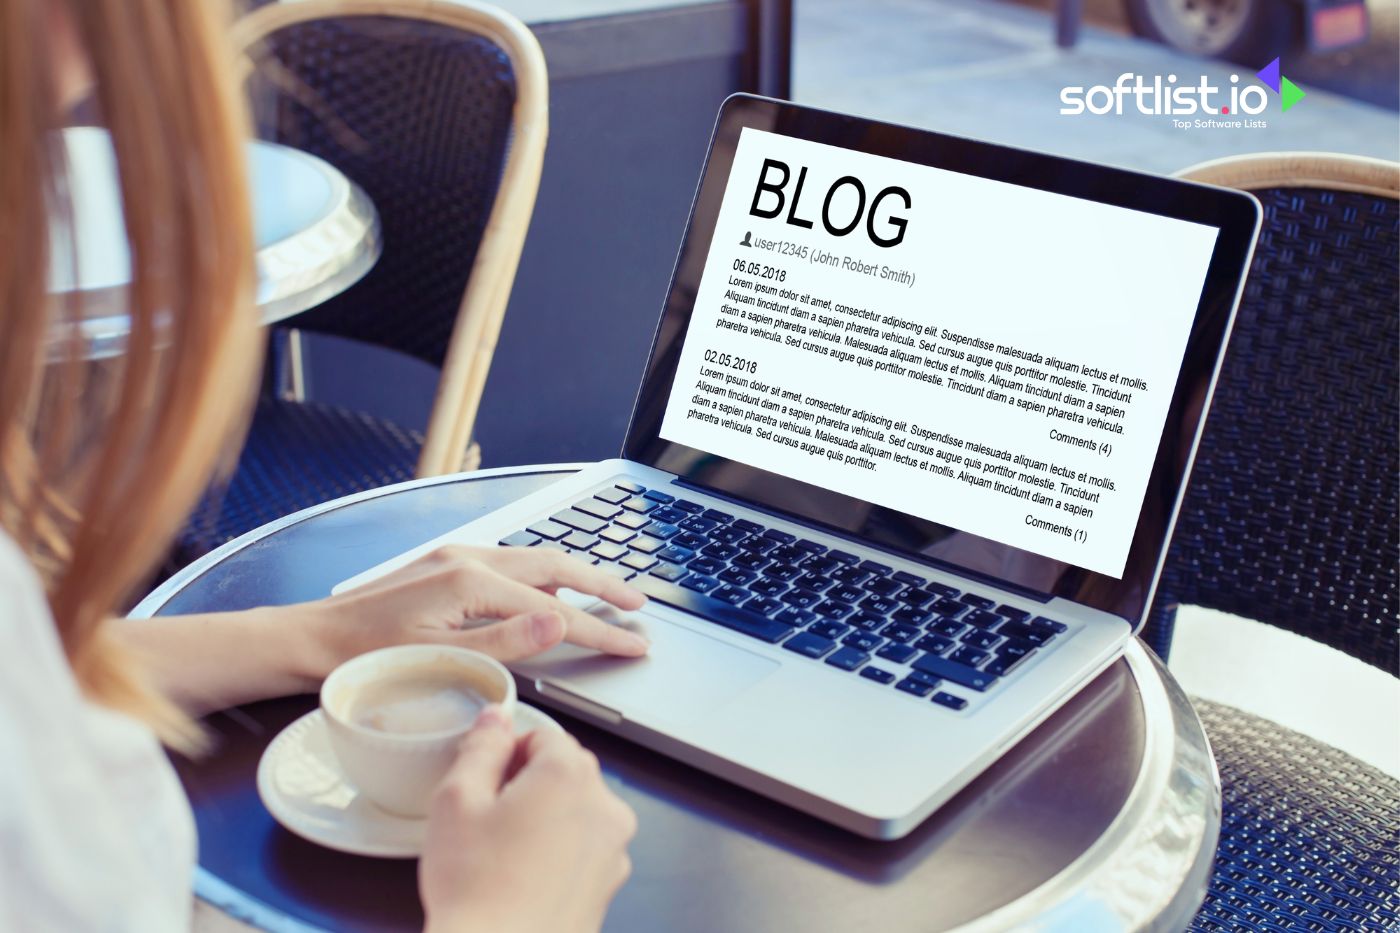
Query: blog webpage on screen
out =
(990, 357)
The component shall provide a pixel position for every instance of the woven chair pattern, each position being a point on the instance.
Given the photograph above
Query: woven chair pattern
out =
(299, 454)
(1310, 838)
(1291, 513)
(418, 114)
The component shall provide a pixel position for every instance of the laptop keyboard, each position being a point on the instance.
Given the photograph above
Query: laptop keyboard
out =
(888, 626)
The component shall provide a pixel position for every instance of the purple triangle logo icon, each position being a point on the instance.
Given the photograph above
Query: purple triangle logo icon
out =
(1269, 75)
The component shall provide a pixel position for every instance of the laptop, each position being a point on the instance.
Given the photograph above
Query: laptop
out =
(904, 462)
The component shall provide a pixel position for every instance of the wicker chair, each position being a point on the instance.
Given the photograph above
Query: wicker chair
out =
(1292, 519)
(438, 111)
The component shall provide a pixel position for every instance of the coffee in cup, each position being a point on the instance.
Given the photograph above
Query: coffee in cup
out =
(396, 715)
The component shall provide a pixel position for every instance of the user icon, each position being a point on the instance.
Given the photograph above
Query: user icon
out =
(746, 239)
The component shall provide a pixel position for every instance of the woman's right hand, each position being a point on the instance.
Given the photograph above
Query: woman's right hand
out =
(523, 836)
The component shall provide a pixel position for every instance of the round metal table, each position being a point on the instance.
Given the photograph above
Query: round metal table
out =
(1105, 818)
(316, 232)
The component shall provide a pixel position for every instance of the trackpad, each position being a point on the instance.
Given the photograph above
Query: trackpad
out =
(685, 674)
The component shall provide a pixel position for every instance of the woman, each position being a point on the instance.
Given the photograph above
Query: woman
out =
(99, 467)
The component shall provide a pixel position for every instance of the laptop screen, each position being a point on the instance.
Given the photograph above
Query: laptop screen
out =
(967, 367)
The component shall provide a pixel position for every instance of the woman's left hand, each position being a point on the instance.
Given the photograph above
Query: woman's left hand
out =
(500, 601)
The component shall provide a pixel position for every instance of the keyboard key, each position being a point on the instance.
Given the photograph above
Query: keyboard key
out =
(727, 534)
(713, 610)
(675, 555)
(898, 631)
(952, 670)
(810, 546)
(972, 657)
(879, 569)
(758, 544)
(866, 621)
(731, 593)
(617, 535)
(981, 618)
(656, 495)
(606, 550)
(691, 508)
(617, 570)
(634, 488)
(720, 551)
(833, 609)
(579, 541)
(1015, 648)
(767, 586)
(916, 687)
(1025, 632)
(549, 530)
(813, 581)
(788, 554)
(950, 628)
(669, 572)
(1050, 625)
(613, 495)
(845, 594)
(883, 586)
(597, 508)
(936, 644)
(852, 575)
(809, 645)
(864, 641)
(638, 504)
(802, 599)
(828, 629)
(879, 605)
(949, 608)
(553, 546)
(782, 537)
(896, 652)
(589, 524)
(644, 544)
(519, 539)
(668, 515)
(919, 599)
(820, 564)
(638, 561)
(980, 638)
(981, 602)
(923, 678)
(795, 617)
(877, 674)
(738, 576)
(715, 515)
(697, 524)
(750, 560)
(909, 579)
(845, 557)
(699, 583)
(848, 659)
(630, 520)
(950, 701)
(664, 532)
(763, 605)
(746, 526)
(783, 573)
(706, 565)
(1003, 664)
(911, 616)
(1012, 613)
(690, 539)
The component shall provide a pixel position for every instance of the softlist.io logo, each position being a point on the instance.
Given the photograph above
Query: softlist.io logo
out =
(1211, 106)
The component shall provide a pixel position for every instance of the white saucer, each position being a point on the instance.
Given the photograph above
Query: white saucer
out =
(302, 786)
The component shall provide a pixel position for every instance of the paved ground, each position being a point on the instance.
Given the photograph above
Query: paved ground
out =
(990, 69)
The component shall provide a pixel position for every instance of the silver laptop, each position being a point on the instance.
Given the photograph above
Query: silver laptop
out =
(904, 462)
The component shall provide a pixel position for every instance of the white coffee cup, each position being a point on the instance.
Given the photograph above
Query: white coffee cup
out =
(398, 771)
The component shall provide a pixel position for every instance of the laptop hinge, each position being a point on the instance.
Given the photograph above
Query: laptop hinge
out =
(924, 559)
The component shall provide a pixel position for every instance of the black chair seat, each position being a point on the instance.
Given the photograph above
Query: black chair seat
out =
(1310, 835)
(299, 454)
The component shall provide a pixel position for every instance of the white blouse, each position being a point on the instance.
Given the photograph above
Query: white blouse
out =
(95, 831)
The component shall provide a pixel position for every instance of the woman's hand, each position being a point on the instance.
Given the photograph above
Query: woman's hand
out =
(500, 601)
(523, 836)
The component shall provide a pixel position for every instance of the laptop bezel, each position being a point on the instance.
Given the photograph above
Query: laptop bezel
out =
(1235, 214)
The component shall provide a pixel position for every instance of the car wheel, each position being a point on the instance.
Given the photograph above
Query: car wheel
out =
(1248, 31)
